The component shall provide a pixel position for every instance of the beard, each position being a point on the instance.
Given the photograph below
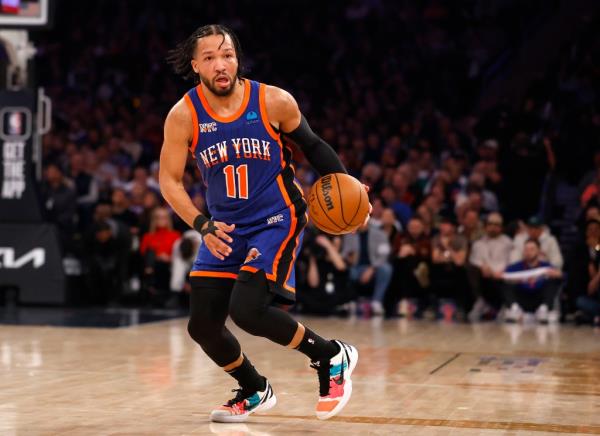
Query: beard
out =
(221, 92)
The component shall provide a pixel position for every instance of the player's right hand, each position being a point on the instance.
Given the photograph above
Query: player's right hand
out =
(216, 243)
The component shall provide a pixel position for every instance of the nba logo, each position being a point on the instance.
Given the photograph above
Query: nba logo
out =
(15, 123)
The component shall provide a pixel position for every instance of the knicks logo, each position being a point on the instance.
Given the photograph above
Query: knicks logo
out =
(208, 127)
(253, 253)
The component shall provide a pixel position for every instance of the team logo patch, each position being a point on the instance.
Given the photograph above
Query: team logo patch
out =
(253, 254)
(208, 127)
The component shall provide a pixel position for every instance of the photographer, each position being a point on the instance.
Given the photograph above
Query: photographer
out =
(322, 274)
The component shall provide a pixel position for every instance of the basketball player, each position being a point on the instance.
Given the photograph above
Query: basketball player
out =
(234, 127)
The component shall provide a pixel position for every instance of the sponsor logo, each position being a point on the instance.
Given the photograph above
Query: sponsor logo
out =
(275, 219)
(326, 190)
(208, 127)
(8, 260)
(252, 117)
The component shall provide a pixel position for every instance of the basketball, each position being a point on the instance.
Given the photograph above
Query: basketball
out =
(338, 204)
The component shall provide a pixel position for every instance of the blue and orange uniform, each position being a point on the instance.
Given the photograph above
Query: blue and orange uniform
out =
(250, 183)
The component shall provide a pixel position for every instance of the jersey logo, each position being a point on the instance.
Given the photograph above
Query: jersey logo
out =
(208, 127)
(252, 118)
(275, 219)
(253, 254)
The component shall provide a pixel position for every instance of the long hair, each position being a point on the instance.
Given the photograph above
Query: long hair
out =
(157, 211)
(181, 56)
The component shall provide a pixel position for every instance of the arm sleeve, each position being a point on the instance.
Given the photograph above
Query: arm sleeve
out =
(319, 154)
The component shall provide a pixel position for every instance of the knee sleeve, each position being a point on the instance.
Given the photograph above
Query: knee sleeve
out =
(249, 305)
(250, 308)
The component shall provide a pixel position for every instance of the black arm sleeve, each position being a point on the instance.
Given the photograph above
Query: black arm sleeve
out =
(320, 154)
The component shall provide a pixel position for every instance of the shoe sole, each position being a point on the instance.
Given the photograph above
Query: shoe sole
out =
(347, 388)
(217, 417)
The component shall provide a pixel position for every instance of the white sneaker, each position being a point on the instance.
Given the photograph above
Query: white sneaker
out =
(541, 314)
(335, 383)
(377, 308)
(553, 316)
(513, 314)
(245, 403)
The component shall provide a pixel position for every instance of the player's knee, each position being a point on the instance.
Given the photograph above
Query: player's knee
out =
(245, 318)
(198, 330)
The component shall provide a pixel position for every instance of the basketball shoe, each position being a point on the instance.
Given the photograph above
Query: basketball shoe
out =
(245, 403)
(335, 384)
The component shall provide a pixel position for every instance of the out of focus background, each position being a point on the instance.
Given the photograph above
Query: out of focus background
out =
(475, 123)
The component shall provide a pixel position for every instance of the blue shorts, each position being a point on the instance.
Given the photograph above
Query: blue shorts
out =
(278, 240)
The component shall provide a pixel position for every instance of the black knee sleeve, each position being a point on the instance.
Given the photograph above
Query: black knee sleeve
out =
(250, 308)
(249, 303)
(209, 304)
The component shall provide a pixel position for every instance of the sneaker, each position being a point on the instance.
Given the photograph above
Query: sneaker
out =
(541, 314)
(513, 314)
(553, 316)
(447, 311)
(479, 308)
(377, 308)
(335, 385)
(239, 408)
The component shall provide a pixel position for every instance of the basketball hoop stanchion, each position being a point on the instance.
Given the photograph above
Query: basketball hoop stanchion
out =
(30, 255)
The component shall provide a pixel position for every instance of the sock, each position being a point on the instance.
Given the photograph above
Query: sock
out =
(247, 376)
(315, 347)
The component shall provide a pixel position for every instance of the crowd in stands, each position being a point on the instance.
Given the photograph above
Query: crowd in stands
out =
(456, 192)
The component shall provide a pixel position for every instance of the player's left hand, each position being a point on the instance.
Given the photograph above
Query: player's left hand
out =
(217, 242)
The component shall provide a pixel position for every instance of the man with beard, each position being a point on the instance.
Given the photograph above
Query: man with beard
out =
(234, 128)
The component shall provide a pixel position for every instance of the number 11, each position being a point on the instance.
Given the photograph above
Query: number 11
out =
(242, 181)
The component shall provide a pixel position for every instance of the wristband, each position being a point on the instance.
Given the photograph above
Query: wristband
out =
(199, 221)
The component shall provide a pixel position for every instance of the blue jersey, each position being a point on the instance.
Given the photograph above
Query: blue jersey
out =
(245, 166)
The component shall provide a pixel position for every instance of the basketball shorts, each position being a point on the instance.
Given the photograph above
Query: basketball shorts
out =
(277, 240)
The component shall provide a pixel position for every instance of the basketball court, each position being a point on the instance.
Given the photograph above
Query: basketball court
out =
(413, 377)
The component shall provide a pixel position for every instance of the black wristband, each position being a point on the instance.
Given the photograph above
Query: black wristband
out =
(199, 221)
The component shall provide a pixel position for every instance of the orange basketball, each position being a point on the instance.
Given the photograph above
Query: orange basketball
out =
(338, 204)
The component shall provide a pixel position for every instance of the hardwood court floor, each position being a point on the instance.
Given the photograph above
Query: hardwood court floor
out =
(420, 378)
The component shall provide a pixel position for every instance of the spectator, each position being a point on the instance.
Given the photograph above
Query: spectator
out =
(535, 288)
(584, 277)
(103, 265)
(120, 240)
(367, 254)
(535, 229)
(449, 283)
(86, 188)
(411, 267)
(324, 281)
(60, 203)
(183, 256)
(489, 257)
(389, 224)
(591, 191)
(121, 211)
(157, 250)
(471, 227)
